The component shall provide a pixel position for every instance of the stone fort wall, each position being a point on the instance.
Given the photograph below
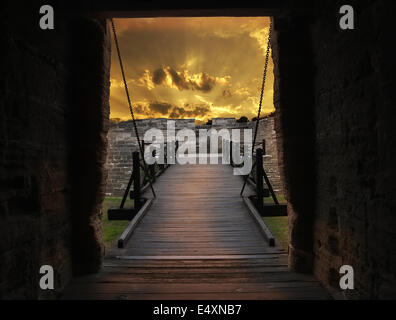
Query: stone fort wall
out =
(122, 142)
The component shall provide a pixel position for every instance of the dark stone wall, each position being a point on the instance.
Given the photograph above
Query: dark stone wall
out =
(90, 89)
(266, 131)
(122, 142)
(52, 137)
(355, 148)
(335, 98)
(294, 126)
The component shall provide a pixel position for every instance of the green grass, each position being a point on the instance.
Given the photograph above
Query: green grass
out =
(280, 197)
(112, 229)
(278, 226)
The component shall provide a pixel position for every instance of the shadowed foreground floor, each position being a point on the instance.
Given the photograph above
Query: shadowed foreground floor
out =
(198, 241)
(266, 277)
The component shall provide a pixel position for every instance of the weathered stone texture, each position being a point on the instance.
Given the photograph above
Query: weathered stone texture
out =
(223, 122)
(89, 111)
(122, 142)
(355, 148)
(35, 217)
(36, 169)
(266, 132)
(335, 124)
(293, 100)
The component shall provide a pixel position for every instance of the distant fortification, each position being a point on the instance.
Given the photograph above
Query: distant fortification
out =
(122, 142)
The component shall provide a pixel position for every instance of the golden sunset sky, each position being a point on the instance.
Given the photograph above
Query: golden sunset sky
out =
(191, 68)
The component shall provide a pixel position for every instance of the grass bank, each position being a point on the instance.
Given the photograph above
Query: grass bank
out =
(278, 226)
(112, 229)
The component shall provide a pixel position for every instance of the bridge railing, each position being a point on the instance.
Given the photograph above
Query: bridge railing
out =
(139, 182)
(257, 178)
(156, 169)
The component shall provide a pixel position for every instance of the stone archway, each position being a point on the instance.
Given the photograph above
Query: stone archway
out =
(294, 134)
(334, 95)
(294, 124)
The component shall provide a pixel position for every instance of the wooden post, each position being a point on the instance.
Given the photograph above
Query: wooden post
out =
(127, 191)
(259, 179)
(176, 147)
(136, 180)
(165, 154)
(264, 151)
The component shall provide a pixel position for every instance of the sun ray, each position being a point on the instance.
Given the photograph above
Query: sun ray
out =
(187, 63)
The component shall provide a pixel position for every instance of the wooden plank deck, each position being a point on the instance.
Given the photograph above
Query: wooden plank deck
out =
(198, 241)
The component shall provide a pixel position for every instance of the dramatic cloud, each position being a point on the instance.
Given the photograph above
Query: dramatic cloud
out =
(160, 107)
(205, 83)
(181, 80)
(191, 67)
(159, 76)
(178, 79)
(163, 109)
